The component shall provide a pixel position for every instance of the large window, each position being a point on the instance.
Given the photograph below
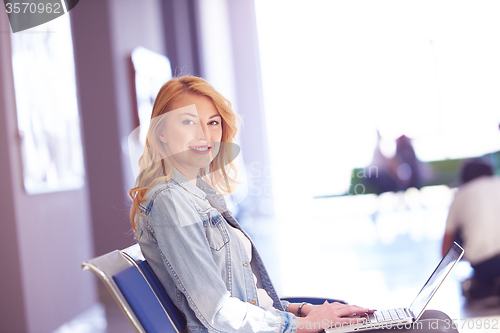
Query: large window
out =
(47, 108)
(336, 71)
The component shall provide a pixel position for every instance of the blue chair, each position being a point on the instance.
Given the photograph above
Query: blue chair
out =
(134, 255)
(148, 308)
(141, 296)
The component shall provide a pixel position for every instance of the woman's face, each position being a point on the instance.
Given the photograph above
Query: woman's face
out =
(192, 133)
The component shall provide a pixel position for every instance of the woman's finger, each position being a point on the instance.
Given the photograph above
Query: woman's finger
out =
(351, 310)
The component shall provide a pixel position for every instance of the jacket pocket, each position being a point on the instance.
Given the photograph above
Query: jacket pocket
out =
(216, 231)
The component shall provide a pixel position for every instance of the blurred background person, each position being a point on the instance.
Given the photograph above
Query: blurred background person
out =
(474, 220)
(407, 163)
(396, 173)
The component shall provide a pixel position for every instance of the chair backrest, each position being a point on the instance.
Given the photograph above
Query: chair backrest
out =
(132, 292)
(134, 255)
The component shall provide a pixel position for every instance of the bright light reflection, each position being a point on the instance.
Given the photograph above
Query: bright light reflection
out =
(335, 71)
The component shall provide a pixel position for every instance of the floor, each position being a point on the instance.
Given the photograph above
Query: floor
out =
(371, 251)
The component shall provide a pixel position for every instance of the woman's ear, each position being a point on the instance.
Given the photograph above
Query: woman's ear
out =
(162, 138)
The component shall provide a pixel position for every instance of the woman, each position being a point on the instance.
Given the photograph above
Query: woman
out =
(206, 262)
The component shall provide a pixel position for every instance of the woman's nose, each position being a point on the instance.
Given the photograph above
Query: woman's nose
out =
(205, 134)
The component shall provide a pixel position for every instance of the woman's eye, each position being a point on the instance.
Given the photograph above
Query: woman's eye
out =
(188, 122)
(214, 122)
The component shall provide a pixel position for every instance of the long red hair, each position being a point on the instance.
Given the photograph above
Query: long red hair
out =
(154, 167)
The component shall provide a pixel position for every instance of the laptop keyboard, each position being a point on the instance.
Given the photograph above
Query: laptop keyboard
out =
(386, 315)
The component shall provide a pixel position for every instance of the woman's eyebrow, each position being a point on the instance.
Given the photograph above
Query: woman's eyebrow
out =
(189, 114)
(215, 115)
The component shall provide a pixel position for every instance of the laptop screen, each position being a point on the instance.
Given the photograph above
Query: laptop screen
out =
(442, 270)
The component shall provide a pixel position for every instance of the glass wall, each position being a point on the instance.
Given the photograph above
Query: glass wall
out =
(337, 72)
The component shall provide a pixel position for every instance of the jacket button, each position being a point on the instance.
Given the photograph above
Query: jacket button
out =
(245, 264)
(252, 302)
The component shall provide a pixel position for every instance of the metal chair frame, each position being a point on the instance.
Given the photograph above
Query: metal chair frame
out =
(108, 265)
(104, 267)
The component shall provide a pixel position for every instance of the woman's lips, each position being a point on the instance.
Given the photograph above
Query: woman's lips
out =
(201, 150)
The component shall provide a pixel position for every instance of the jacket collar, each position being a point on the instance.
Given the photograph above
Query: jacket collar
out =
(202, 190)
(187, 185)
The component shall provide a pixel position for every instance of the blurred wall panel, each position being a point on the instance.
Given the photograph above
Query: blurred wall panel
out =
(12, 312)
(98, 98)
(45, 237)
(182, 36)
(104, 35)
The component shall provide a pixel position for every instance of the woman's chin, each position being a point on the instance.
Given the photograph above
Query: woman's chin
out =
(201, 161)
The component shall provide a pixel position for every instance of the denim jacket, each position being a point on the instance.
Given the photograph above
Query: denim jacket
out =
(184, 233)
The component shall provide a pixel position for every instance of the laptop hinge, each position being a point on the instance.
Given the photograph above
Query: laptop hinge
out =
(410, 314)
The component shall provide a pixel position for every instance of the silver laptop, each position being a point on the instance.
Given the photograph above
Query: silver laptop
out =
(403, 316)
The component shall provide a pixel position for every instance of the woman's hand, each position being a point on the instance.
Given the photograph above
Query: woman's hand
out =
(319, 317)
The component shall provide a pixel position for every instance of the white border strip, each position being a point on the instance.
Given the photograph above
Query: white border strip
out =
(63, 3)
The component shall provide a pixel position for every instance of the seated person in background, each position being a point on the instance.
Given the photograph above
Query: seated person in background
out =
(474, 217)
(408, 170)
(397, 173)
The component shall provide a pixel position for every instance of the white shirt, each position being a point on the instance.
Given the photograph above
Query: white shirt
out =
(264, 300)
(476, 211)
